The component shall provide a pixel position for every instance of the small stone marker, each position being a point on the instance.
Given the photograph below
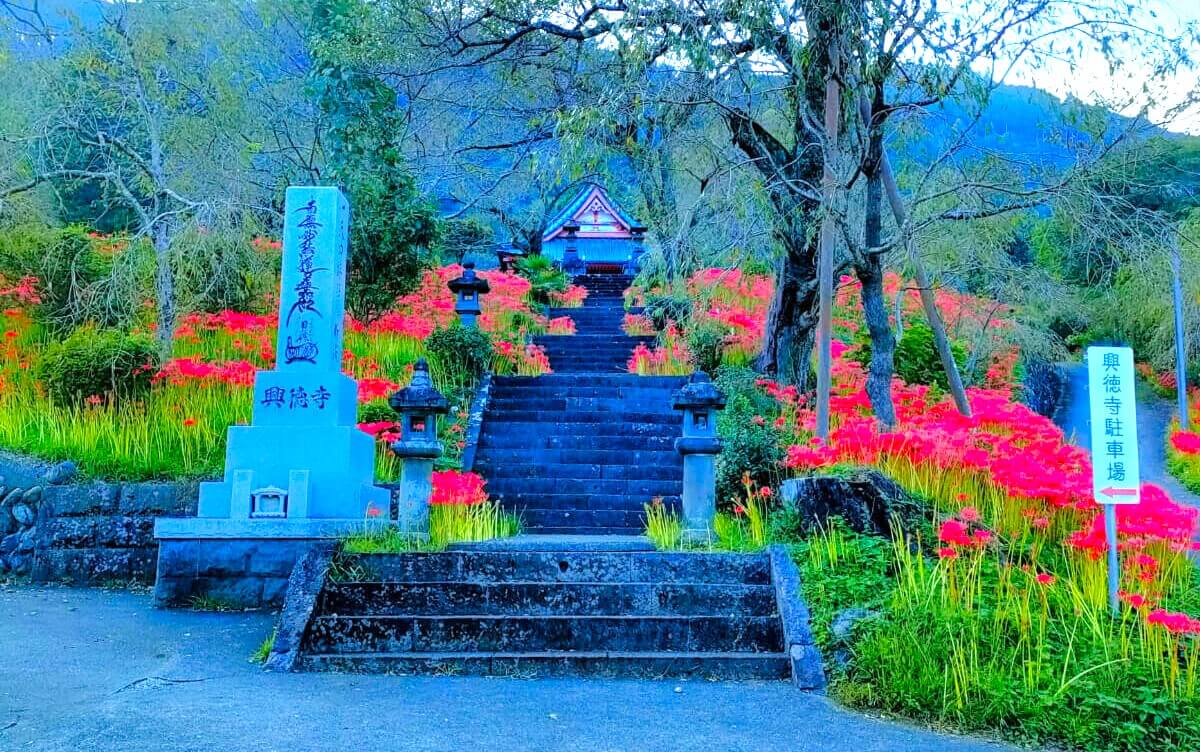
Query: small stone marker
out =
(303, 456)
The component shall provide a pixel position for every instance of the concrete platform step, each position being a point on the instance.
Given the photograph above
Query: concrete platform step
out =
(506, 633)
(636, 665)
(547, 599)
(568, 566)
(560, 544)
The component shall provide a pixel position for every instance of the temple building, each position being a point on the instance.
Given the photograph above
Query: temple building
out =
(592, 235)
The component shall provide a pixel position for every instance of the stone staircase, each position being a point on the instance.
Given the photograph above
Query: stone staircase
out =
(544, 613)
(577, 453)
(599, 345)
(582, 450)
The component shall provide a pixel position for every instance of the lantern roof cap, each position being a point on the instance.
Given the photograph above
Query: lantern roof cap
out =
(698, 392)
(469, 281)
(420, 396)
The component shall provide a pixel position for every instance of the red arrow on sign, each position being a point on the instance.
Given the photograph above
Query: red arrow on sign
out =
(1110, 491)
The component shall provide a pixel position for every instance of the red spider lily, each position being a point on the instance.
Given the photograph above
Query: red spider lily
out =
(572, 297)
(1174, 622)
(457, 487)
(1044, 578)
(1186, 442)
(189, 422)
(947, 553)
(955, 533)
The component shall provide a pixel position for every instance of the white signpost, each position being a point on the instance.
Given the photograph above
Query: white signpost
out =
(1116, 477)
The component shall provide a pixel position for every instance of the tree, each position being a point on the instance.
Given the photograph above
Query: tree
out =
(393, 226)
(139, 109)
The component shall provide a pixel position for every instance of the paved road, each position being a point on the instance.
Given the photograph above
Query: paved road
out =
(1154, 418)
(93, 670)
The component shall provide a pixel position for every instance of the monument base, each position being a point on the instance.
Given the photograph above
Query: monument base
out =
(234, 563)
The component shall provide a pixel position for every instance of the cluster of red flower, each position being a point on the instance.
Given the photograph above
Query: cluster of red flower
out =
(454, 487)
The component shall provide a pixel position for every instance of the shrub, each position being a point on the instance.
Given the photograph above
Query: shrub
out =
(98, 363)
(459, 354)
(917, 359)
(77, 283)
(751, 443)
(663, 308)
(465, 237)
(706, 342)
(221, 270)
(544, 276)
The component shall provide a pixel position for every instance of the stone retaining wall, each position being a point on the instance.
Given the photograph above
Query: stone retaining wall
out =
(92, 532)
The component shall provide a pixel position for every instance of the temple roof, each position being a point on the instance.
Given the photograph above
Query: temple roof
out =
(597, 215)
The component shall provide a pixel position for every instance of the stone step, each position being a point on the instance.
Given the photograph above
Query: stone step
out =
(546, 599)
(559, 544)
(517, 434)
(570, 566)
(612, 448)
(507, 633)
(625, 379)
(538, 520)
(639, 487)
(583, 418)
(497, 469)
(521, 500)
(635, 665)
(591, 532)
(503, 403)
(561, 391)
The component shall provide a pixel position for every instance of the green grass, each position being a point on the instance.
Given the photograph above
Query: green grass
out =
(1185, 467)
(448, 523)
(264, 650)
(986, 649)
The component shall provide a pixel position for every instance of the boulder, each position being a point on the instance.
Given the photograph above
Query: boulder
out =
(866, 499)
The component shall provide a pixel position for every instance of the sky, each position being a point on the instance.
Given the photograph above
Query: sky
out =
(1092, 81)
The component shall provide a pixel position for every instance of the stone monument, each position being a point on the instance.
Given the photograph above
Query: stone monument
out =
(302, 470)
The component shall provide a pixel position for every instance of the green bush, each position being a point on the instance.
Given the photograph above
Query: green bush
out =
(459, 354)
(748, 446)
(543, 275)
(665, 308)
(77, 283)
(917, 359)
(705, 342)
(105, 363)
(219, 270)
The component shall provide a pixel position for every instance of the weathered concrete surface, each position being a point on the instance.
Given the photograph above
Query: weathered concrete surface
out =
(85, 670)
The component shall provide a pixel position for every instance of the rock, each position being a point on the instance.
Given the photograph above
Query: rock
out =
(848, 618)
(61, 473)
(11, 497)
(867, 500)
(9, 543)
(27, 541)
(842, 629)
(24, 514)
(32, 496)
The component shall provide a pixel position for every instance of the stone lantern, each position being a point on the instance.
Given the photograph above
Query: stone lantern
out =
(699, 400)
(572, 264)
(634, 265)
(419, 405)
(468, 290)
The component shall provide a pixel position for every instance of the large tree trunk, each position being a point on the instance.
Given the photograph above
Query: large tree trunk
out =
(792, 318)
(164, 287)
(869, 270)
(940, 339)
